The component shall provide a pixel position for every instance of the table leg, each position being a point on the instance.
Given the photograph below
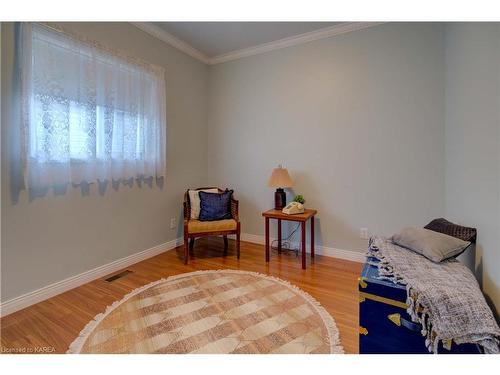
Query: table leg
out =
(267, 239)
(312, 237)
(279, 236)
(303, 245)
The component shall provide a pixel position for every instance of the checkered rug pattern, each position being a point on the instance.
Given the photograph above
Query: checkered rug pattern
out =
(223, 311)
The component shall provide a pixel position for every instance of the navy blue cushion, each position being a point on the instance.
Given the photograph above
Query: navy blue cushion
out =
(215, 206)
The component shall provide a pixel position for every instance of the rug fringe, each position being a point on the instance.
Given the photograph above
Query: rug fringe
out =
(333, 333)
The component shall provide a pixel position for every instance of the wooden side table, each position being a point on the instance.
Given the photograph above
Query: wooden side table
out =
(302, 218)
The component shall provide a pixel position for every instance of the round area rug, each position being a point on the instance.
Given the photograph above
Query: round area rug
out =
(223, 311)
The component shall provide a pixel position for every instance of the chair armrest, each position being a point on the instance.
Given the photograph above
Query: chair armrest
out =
(234, 209)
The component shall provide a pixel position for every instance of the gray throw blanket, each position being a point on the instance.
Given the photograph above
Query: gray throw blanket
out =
(443, 297)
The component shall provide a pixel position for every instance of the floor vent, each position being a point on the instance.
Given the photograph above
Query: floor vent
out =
(118, 276)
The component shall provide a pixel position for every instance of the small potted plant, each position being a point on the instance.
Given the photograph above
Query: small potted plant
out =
(300, 199)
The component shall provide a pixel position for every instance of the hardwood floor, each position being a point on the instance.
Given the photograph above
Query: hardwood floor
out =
(56, 322)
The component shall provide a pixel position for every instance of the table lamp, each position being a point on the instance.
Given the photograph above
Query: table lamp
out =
(280, 179)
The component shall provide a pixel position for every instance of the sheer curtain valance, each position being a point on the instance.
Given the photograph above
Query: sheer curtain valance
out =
(88, 112)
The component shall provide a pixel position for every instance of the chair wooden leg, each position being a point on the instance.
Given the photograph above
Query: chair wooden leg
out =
(225, 245)
(186, 250)
(191, 244)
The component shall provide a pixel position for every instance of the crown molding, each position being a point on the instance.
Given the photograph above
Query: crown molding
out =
(168, 38)
(327, 32)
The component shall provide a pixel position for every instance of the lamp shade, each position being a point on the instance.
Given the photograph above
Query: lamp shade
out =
(280, 178)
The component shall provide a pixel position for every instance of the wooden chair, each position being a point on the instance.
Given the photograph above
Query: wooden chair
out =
(195, 228)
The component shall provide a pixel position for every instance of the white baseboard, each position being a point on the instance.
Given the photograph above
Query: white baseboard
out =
(59, 287)
(28, 299)
(354, 256)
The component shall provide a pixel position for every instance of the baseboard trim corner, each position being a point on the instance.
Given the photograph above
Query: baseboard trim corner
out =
(51, 290)
(353, 256)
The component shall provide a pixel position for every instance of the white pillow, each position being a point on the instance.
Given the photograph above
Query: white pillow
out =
(194, 199)
(432, 245)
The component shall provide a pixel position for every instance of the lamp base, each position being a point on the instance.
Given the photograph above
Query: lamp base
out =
(279, 199)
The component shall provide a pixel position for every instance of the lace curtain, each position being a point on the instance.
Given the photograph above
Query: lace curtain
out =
(88, 112)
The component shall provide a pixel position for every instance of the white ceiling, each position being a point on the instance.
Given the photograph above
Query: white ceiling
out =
(217, 38)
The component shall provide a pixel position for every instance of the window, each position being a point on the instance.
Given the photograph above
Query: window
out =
(89, 113)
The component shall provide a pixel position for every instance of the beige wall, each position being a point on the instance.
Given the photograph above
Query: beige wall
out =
(51, 238)
(358, 120)
(472, 141)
